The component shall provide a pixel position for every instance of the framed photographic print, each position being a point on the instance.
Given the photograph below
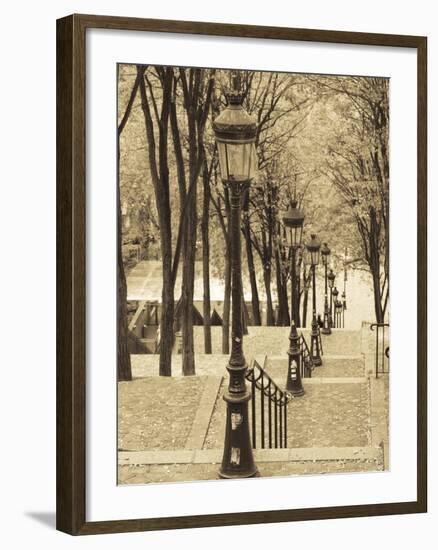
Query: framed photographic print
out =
(234, 204)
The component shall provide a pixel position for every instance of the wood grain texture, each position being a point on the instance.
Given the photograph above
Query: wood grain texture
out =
(422, 275)
(70, 276)
(71, 270)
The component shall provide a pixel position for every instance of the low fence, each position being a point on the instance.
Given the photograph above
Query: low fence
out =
(268, 409)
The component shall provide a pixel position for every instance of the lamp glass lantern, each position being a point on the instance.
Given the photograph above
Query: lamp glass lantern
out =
(325, 252)
(313, 248)
(235, 131)
(293, 220)
(331, 279)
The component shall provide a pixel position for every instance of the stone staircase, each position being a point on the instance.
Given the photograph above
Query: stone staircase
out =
(340, 414)
(340, 424)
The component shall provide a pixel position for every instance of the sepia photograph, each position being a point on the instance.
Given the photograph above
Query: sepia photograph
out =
(253, 332)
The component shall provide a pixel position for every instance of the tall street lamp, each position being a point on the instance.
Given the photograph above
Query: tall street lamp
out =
(313, 247)
(325, 252)
(293, 220)
(331, 283)
(338, 312)
(307, 282)
(235, 132)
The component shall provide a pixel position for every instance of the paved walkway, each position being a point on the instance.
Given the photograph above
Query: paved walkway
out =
(157, 413)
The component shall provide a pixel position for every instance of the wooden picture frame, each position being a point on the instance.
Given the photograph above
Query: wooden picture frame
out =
(71, 274)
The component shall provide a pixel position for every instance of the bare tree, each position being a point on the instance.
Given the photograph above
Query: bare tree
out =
(124, 371)
(197, 86)
(156, 120)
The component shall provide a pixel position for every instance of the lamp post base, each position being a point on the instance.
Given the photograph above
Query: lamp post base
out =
(294, 384)
(228, 475)
(326, 324)
(238, 460)
(315, 346)
(296, 392)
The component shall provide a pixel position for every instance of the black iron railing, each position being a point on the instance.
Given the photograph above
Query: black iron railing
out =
(381, 348)
(306, 363)
(268, 409)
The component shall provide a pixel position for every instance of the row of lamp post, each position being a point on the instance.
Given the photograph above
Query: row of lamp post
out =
(293, 220)
(337, 307)
(235, 132)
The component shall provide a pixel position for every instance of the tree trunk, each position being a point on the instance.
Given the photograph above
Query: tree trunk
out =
(245, 316)
(166, 322)
(298, 294)
(377, 296)
(124, 371)
(167, 298)
(226, 310)
(257, 320)
(374, 264)
(206, 261)
(160, 177)
(197, 107)
(305, 301)
(250, 259)
(283, 309)
(123, 358)
(269, 307)
(188, 281)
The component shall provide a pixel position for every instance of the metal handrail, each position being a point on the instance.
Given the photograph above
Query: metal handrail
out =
(277, 400)
(381, 365)
(306, 362)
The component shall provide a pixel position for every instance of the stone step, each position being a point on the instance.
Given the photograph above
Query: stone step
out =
(275, 341)
(215, 364)
(204, 465)
(332, 367)
(214, 456)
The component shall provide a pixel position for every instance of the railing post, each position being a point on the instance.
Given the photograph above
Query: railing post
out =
(281, 421)
(293, 383)
(377, 352)
(253, 410)
(262, 411)
(275, 424)
(380, 351)
(270, 416)
(285, 421)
